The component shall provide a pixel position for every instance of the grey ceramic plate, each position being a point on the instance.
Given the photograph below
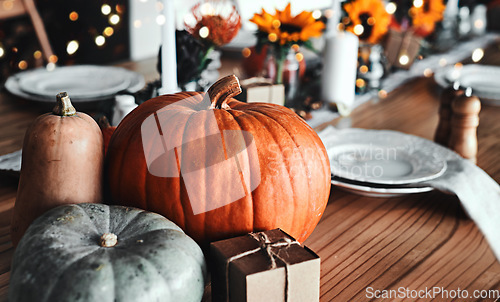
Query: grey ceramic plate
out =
(483, 79)
(382, 157)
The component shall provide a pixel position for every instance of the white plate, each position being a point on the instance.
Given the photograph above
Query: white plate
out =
(135, 81)
(483, 79)
(382, 157)
(372, 191)
(80, 81)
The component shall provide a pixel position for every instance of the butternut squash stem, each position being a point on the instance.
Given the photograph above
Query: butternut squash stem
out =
(108, 240)
(222, 90)
(63, 105)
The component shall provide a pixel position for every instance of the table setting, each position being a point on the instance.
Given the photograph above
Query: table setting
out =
(348, 155)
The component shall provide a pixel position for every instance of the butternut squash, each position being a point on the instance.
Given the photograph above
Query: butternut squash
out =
(61, 164)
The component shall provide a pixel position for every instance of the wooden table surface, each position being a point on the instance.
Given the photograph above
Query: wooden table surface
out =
(413, 243)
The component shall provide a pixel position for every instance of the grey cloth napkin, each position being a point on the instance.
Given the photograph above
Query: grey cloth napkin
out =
(476, 190)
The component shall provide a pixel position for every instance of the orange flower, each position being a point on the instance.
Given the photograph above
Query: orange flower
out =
(368, 19)
(424, 17)
(284, 28)
(214, 23)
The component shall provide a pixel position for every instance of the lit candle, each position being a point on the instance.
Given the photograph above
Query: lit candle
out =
(168, 54)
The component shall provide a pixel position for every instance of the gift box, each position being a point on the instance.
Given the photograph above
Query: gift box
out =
(402, 48)
(266, 266)
(261, 90)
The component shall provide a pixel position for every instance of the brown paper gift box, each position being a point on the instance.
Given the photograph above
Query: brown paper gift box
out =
(261, 90)
(244, 265)
(401, 43)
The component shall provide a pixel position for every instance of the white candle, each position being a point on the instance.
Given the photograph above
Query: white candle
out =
(168, 54)
(335, 17)
(340, 60)
(451, 8)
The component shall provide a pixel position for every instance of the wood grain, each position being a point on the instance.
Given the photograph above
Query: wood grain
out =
(413, 242)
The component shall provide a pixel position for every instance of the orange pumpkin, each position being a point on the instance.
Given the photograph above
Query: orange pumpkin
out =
(218, 167)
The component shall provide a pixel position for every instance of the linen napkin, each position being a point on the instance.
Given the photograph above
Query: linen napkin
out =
(476, 190)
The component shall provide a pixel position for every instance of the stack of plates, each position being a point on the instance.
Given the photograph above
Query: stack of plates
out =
(382, 163)
(84, 83)
(483, 79)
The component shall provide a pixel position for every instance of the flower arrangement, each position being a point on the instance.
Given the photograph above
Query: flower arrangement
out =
(209, 25)
(419, 16)
(368, 19)
(282, 31)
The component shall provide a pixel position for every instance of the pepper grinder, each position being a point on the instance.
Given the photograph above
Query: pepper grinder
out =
(443, 130)
(464, 122)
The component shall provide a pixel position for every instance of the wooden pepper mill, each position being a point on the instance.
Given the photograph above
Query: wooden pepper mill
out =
(464, 122)
(443, 130)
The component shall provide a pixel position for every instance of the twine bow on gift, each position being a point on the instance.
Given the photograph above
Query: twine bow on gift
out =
(267, 246)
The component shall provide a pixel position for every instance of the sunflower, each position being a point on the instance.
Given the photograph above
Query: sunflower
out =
(285, 29)
(368, 19)
(425, 16)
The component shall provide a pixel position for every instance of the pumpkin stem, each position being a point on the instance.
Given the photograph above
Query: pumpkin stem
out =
(63, 105)
(222, 90)
(108, 240)
(103, 122)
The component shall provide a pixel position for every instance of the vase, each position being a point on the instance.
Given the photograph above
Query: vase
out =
(283, 69)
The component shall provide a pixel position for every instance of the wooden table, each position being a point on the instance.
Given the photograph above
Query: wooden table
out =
(413, 243)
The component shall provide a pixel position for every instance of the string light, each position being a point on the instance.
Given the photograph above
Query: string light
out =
(371, 21)
(359, 29)
(328, 13)
(404, 59)
(428, 72)
(73, 16)
(272, 37)
(363, 69)
(53, 59)
(204, 32)
(114, 19)
(105, 9)
(299, 56)
(360, 83)
(391, 8)
(382, 94)
(119, 8)
(316, 14)
(50, 66)
(276, 23)
(418, 3)
(37, 54)
(477, 55)
(442, 62)
(108, 31)
(72, 47)
(160, 19)
(246, 52)
(8, 5)
(22, 65)
(100, 40)
(2, 52)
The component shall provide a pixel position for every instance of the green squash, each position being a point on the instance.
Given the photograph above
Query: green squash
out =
(94, 252)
